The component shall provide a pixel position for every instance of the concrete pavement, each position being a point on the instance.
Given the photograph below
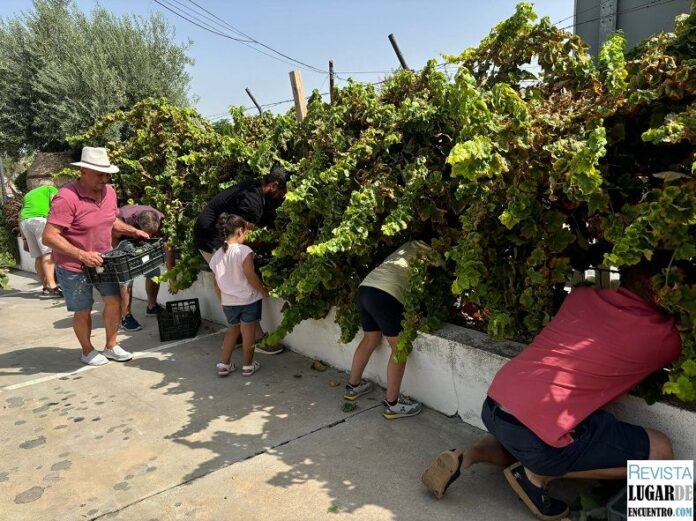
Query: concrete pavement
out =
(163, 438)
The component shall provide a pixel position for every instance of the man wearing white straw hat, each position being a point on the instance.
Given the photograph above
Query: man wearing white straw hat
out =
(78, 229)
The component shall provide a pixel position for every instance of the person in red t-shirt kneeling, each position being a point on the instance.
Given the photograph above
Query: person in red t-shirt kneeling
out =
(544, 408)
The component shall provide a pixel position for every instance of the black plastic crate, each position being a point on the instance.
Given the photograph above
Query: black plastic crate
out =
(123, 266)
(181, 319)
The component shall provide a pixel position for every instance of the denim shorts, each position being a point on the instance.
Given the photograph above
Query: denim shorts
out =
(78, 291)
(153, 273)
(246, 314)
(599, 442)
(379, 311)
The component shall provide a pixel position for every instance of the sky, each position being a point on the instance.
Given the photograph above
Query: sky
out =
(353, 33)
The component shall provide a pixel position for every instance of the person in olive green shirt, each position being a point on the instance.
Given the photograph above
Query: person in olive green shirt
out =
(35, 207)
(381, 309)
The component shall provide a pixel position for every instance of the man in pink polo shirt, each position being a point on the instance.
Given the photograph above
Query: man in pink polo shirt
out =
(544, 407)
(78, 229)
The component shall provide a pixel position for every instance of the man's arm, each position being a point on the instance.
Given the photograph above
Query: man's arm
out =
(121, 227)
(53, 238)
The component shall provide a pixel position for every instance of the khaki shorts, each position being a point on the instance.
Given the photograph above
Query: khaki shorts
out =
(32, 229)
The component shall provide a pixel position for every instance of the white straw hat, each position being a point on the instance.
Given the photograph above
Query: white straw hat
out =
(97, 159)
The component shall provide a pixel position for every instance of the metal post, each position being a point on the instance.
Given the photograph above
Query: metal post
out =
(2, 181)
(395, 45)
(254, 100)
(332, 78)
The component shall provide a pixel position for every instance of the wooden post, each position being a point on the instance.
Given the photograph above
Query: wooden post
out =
(298, 94)
(332, 77)
(254, 100)
(395, 45)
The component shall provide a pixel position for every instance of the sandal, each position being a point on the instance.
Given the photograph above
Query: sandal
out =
(443, 472)
(248, 370)
(225, 369)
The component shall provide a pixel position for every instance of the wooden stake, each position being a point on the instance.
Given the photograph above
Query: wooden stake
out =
(298, 94)
(254, 100)
(332, 77)
(395, 45)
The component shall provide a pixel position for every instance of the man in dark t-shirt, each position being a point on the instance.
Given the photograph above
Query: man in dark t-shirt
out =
(255, 201)
(251, 200)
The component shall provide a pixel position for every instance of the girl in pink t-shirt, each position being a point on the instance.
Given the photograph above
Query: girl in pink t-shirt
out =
(241, 293)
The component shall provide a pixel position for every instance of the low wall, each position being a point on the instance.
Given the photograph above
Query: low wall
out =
(449, 371)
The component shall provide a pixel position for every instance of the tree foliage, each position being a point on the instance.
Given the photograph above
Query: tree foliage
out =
(63, 70)
(531, 162)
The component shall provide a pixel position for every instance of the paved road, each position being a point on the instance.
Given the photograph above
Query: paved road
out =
(163, 438)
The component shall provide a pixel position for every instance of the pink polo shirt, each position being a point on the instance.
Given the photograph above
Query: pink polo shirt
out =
(600, 344)
(86, 223)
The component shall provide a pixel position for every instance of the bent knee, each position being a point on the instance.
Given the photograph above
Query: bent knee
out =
(660, 445)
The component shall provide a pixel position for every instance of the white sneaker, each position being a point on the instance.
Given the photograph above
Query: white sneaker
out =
(117, 353)
(94, 358)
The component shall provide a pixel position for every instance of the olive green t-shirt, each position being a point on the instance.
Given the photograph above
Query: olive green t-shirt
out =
(392, 275)
(37, 202)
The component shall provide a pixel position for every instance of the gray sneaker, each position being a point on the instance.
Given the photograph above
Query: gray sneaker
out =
(403, 408)
(353, 393)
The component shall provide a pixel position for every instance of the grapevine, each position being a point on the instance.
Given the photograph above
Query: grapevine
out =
(531, 163)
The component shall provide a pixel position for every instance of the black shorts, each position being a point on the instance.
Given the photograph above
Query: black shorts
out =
(379, 311)
(599, 442)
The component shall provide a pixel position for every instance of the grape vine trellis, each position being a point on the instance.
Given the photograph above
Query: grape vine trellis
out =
(519, 178)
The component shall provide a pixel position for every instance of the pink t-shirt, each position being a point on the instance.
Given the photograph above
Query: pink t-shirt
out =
(86, 223)
(598, 347)
(130, 213)
(229, 274)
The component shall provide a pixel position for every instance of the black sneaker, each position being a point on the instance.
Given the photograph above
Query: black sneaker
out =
(154, 310)
(537, 499)
(128, 323)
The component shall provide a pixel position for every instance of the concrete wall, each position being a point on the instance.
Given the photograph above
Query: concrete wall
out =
(638, 19)
(449, 371)
(26, 263)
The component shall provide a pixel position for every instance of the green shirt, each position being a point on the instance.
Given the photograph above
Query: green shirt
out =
(37, 202)
(392, 275)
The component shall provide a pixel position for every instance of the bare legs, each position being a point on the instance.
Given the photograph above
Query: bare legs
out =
(229, 342)
(151, 290)
(112, 319)
(126, 300)
(82, 325)
(369, 342)
(486, 450)
(489, 450)
(46, 270)
(395, 371)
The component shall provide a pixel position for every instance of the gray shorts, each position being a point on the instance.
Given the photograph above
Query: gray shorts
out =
(33, 229)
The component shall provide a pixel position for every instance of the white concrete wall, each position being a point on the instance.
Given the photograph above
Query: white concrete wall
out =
(449, 371)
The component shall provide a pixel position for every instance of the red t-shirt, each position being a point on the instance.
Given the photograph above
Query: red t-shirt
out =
(86, 223)
(130, 213)
(598, 347)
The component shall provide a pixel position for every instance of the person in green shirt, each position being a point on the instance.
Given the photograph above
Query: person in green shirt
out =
(381, 309)
(35, 207)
